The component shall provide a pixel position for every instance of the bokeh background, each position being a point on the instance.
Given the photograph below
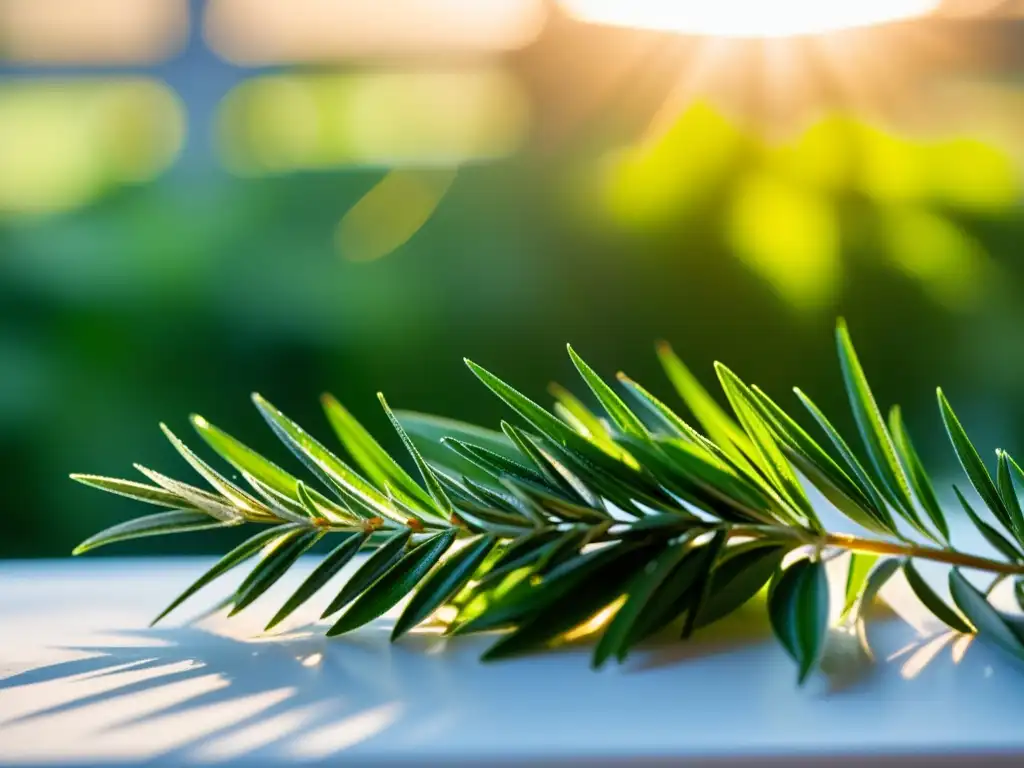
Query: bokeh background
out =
(202, 198)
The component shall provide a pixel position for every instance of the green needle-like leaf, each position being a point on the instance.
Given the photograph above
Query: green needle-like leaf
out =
(671, 599)
(674, 425)
(638, 593)
(798, 610)
(174, 521)
(529, 410)
(861, 564)
(395, 584)
(442, 504)
(919, 479)
(542, 463)
(549, 620)
(877, 509)
(526, 550)
(572, 411)
(932, 601)
(335, 560)
(530, 599)
(244, 458)
(215, 506)
(376, 565)
(888, 471)
(367, 453)
(720, 428)
(428, 430)
(796, 440)
(232, 559)
(444, 583)
(151, 494)
(597, 465)
(242, 500)
(326, 465)
(982, 615)
(701, 591)
(282, 556)
(770, 458)
(617, 410)
(1003, 545)
(493, 463)
(742, 572)
(972, 463)
(1008, 495)
(308, 504)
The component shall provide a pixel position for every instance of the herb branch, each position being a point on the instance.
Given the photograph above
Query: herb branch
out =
(630, 514)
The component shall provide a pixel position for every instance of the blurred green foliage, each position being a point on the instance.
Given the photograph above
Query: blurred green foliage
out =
(187, 293)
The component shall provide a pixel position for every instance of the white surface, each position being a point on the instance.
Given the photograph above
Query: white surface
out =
(82, 680)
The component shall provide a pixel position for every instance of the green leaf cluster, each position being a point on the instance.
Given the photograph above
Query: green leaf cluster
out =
(625, 521)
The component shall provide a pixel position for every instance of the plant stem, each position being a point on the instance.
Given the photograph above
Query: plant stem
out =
(877, 546)
(949, 556)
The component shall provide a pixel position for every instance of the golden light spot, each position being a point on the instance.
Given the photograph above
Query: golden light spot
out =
(924, 655)
(788, 236)
(649, 183)
(595, 623)
(446, 614)
(391, 213)
(948, 262)
(412, 119)
(63, 143)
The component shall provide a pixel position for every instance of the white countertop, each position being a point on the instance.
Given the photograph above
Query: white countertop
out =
(83, 681)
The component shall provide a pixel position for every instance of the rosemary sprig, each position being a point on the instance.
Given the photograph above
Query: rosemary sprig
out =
(631, 515)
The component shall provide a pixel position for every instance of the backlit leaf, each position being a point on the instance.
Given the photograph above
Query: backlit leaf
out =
(617, 410)
(442, 504)
(326, 465)
(919, 479)
(367, 453)
(860, 566)
(972, 463)
(888, 471)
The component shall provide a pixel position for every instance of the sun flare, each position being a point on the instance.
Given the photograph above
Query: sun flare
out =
(747, 18)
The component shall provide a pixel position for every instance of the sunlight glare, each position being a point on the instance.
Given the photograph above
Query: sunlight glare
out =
(747, 18)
